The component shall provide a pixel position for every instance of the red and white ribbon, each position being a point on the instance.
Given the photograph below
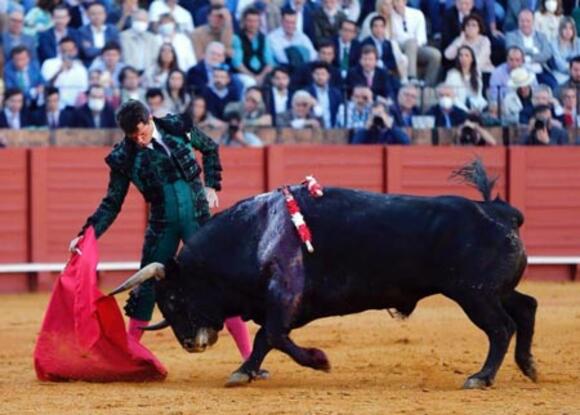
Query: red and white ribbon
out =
(313, 186)
(298, 219)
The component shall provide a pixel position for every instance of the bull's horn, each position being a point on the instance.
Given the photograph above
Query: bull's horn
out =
(157, 326)
(153, 270)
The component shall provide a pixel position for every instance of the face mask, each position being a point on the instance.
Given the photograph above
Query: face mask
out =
(446, 102)
(167, 29)
(96, 104)
(551, 6)
(139, 26)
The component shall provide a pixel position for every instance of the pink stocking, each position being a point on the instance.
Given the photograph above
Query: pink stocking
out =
(239, 331)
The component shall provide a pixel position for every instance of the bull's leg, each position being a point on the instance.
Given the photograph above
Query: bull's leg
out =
(251, 367)
(487, 313)
(522, 309)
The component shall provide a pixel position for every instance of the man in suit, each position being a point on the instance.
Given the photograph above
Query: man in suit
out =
(368, 73)
(14, 36)
(302, 77)
(279, 96)
(347, 47)
(23, 73)
(48, 40)
(96, 113)
(220, 92)
(96, 34)
(406, 107)
(50, 114)
(13, 115)
(446, 114)
(140, 48)
(328, 97)
(304, 20)
(383, 46)
(536, 47)
(454, 19)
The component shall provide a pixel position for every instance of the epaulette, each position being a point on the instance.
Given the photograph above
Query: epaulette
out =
(122, 156)
(172, 124)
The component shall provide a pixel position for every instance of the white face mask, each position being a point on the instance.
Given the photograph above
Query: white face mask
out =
(96, 104)
(167, 29)
(139, 26)
(551, 6)
(446, 102)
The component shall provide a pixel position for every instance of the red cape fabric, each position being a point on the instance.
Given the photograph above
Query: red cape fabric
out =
(83, 335)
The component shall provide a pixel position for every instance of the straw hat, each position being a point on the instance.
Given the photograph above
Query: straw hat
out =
(520, 77)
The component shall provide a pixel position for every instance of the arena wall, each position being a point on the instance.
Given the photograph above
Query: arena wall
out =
(48, 192)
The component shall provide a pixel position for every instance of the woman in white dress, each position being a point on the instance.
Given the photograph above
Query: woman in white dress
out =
(467, 82)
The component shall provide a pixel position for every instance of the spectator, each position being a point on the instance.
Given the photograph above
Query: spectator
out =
(235, 136)
(181, 17)
(96, 113)
(358, 109)
(513, 10)
(198, 115)
(385, 8)
(547, 19)
(327, 20)
(382, 45)
(52, 114)
(79, 15)
(14, 36)
(517, 104)
(122, 14)
(302, 76)
(252, 110)
(574, 81)
(290, 46)
(39, 18)
(304, 11)
(368, 73)
(301, 115)
(542, 130)
(466, 79)
(279, 95)
(130, 84)
(110, 65)
(380, 129)
(327, 96)
(156, 75)
(569, 107)
(49, 40)
(454, 19)
(95, 35)
(269, 10)
(14, 116)
(156, 102)
(219, 28)
(542, 95)
(139, 47)
(472, 35)
(24, 74)
(252, 54)
(350, 8)
(347, 47)
(446, 113)
(66, 72)
(472, 133)
(410, 30)
(498, 83)
(535, 45)
(201, 13)
(177, 98)
(181, 43)
(566, 47)
(220, 92)
(201, 74)
(406, 107)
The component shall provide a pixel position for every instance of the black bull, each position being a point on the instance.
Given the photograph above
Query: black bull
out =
(372, 251)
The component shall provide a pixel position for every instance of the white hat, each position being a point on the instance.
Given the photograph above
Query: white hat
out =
(520, 77)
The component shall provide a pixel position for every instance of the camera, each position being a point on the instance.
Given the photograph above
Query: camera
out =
(539, 125)
(468, 136)
(378, 123)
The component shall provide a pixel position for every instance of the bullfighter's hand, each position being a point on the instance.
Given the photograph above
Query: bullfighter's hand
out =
(73, 246)
(212, 197)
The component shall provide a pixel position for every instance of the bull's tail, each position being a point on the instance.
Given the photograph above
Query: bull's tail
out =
(475, 175)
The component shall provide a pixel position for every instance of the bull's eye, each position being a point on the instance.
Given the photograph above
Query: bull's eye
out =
(172, 297)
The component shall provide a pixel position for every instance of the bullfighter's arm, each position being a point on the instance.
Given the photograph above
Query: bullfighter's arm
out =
(111, 204)
(211, 160)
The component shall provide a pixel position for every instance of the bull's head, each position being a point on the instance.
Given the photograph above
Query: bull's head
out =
(194, 331)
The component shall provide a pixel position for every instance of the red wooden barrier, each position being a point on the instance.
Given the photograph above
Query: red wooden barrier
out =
(358, 167)
(14, 215)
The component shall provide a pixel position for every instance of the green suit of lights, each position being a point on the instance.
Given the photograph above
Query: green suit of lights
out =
(173, 189)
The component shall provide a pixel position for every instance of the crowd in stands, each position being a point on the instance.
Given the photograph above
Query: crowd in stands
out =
(376, 67)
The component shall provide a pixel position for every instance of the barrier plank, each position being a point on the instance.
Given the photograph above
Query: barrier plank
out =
(243, 174)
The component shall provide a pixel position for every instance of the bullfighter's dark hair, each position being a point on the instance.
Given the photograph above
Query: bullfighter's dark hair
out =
(131, 114)
(475, 175)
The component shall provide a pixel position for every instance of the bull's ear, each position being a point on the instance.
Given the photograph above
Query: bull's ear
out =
(153, 270)
(157, 326)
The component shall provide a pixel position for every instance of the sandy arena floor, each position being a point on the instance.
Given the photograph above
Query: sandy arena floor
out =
(380, 366)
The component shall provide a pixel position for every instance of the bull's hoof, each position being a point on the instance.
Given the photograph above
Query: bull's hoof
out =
(476, 383)
(238, 379)
(318, 360)
(531, 371)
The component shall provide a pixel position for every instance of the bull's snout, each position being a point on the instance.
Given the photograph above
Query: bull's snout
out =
(191, 346)
(203, 339)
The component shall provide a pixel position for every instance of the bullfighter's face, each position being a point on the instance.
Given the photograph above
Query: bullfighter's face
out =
(186, 323)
